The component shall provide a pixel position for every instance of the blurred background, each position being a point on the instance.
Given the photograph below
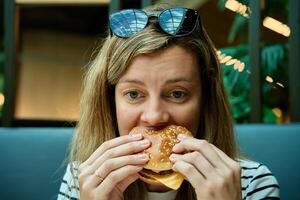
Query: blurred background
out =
(45, 46)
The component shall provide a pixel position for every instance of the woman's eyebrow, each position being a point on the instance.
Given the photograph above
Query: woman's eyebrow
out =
(136, 81)
(170, 81)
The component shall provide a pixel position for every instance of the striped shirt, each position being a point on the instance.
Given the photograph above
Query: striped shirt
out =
(256, 180)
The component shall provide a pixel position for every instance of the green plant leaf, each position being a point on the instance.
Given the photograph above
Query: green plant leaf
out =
(272, 55)
(268, 115)
(221, 4)
(238, 23)
(237, 83)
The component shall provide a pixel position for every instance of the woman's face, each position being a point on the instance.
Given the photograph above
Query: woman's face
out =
(159, 89)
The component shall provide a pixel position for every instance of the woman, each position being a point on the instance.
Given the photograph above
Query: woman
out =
(152, 74)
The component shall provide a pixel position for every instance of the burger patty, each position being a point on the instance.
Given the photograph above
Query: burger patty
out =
(159, 173)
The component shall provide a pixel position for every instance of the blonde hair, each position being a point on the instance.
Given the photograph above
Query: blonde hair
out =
(97, 121)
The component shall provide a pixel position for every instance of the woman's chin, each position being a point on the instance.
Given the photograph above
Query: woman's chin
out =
(157, 188)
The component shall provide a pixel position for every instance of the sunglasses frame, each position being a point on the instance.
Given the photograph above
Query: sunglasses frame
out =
(158, 17)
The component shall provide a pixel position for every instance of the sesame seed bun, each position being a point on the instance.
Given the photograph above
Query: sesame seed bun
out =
(158, 170)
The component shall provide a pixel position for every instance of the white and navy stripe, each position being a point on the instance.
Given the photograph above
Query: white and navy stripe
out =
(256, 179)
(69, 189)
(258, 182)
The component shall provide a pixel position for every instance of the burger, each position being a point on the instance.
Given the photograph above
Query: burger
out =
(158, 170)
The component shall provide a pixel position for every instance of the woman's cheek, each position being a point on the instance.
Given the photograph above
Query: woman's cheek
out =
(127, 118)
(189, 117)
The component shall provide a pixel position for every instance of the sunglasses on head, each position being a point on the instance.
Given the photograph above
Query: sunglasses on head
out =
(174, 21)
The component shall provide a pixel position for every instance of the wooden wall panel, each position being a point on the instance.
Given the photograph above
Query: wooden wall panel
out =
(50, 74)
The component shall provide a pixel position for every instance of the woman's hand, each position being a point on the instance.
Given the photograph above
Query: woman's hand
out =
(112, 168)
(210, 171)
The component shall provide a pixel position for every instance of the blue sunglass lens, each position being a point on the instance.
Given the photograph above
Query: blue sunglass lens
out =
(178, 21)
(128, 22)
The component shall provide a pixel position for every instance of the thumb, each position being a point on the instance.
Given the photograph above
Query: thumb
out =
(117, 194)
(126, 182)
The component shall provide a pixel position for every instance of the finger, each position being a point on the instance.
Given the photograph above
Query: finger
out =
(234, 165)
(121, 186)
(223, 155)
(126, 182)
(122, 150)
(193, 144)
(111, 144)
(108, 185)
(115, 163)
(199, 162)
(190, 173)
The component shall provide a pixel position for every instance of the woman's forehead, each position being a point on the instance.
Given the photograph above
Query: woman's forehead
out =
(174, 60)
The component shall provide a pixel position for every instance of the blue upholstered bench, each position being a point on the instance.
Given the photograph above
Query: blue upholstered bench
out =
(31, 159)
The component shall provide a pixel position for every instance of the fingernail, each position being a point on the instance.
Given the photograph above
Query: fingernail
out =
(181, 137)
(144, 143)
(137, 136)
(172, 157)
(143, 156)
(174, 147)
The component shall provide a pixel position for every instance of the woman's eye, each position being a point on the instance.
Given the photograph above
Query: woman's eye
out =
(178, 94)
(133, 95)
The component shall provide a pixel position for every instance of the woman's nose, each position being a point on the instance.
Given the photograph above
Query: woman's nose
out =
(155, 113)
